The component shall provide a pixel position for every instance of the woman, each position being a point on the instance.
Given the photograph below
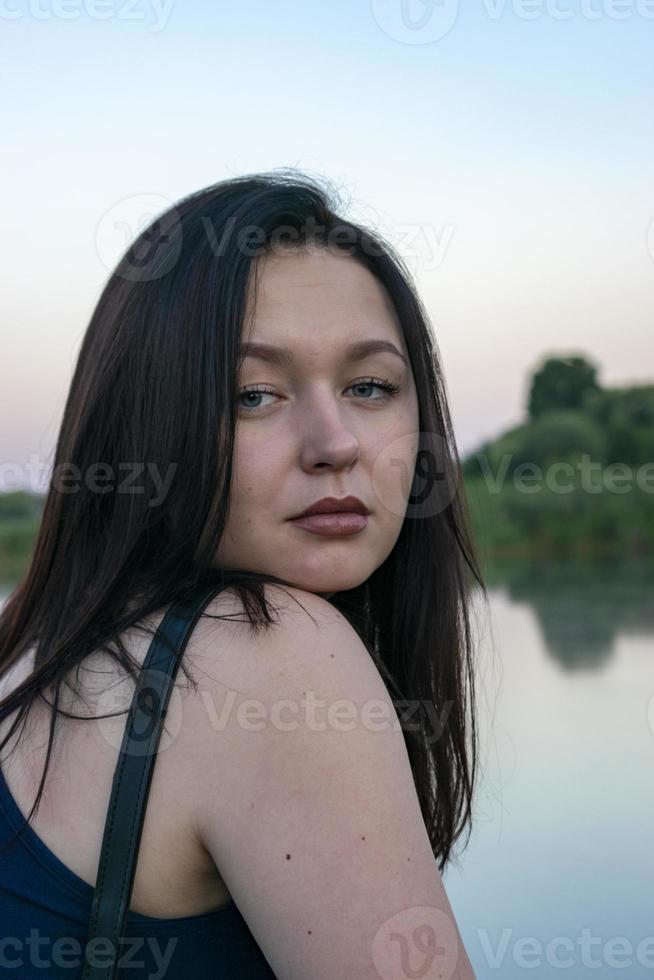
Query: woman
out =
(253, 354)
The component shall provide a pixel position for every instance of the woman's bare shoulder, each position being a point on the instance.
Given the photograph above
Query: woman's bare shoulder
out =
(306, 799)
(224, 644)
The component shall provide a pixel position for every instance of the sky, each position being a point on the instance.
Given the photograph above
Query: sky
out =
(504, 146)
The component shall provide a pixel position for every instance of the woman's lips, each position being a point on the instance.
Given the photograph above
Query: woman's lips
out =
(341, 522)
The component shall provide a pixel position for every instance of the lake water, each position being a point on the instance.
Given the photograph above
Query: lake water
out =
(558, 877)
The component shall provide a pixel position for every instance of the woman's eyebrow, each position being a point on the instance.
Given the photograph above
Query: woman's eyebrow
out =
(283, 357)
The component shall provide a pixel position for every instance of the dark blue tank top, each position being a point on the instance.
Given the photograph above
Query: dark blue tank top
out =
(44, 918)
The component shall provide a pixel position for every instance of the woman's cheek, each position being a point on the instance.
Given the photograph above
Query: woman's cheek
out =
(392, 474)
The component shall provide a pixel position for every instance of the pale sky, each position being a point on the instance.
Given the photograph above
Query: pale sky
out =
(505, 146)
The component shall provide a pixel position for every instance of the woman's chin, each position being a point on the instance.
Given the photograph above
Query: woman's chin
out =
(327, 587)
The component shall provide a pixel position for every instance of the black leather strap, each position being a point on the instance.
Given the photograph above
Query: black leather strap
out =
(131, 785)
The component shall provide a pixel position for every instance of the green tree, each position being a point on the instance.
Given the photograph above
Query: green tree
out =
(20, 515)
(562, 436)
(627, 416)
(20, 504)
(561, 383)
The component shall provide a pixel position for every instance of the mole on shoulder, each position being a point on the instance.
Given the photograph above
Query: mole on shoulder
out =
(288, 857)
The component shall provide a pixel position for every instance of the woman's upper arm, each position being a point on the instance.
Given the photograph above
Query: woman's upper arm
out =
(309, 809)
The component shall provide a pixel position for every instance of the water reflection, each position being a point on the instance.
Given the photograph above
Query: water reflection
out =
(581, 607)
(559, 871)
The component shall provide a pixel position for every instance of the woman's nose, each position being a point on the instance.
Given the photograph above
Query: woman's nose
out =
(327, 438)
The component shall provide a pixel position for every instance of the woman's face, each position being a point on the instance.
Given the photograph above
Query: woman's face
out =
(317, 425)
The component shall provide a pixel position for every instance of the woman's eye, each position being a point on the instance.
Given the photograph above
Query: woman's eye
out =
(386, 387)
(253, 393)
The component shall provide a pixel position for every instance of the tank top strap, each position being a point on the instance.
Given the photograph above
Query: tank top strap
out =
(131, 783)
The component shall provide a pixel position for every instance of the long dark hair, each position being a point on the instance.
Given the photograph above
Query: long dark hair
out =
(155, 389)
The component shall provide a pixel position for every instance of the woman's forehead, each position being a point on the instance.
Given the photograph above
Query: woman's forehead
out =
(304, 293)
